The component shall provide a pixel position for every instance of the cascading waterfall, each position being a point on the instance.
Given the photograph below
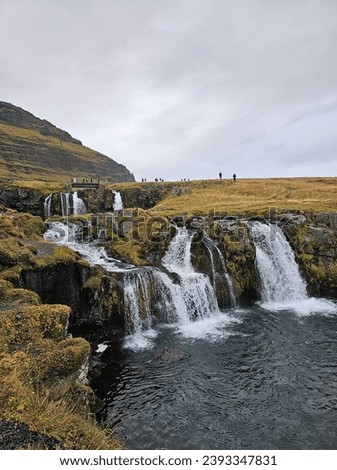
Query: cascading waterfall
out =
(211, 246)
(71, 235)
(196, 290)
(118, 203)
(279, 274)
(72, 204)
(47, 206)
(65, 204)
(79, 206)
(150, 295)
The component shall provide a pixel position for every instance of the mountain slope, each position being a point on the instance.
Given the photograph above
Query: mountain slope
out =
(35, 149)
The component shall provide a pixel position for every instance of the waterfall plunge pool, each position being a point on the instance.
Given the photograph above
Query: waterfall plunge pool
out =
(251, 379)
(259, 378)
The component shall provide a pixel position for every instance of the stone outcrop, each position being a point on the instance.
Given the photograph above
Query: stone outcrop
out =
(35, 149)
(313, 238)
(22, 199)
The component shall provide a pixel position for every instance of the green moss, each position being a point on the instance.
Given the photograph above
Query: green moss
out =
(61, 255)
(93, 282)
(332, 275)
(127, 250)
(26, 324)
(13, 297)
(20, 225)
(31, 226)
(10, 250)
(61, 360)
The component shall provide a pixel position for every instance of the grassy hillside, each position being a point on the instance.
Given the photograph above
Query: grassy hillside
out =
(34, 149)
(245, 196)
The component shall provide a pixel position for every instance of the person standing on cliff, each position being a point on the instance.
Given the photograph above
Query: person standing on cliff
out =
(220, 175)
(234, 178)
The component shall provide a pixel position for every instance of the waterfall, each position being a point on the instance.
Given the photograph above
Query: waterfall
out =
(196, 290)
(61, 233)
(79, 206)
(65, 204)
(71, 204)
(71, 235)
(118, 203)
(47, 206)
(211, 246)
(279, 274)
(150, 295)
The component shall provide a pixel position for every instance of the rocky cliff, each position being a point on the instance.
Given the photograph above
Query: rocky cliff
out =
(35, 149)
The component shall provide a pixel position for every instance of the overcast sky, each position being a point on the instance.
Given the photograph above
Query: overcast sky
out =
(181, 88)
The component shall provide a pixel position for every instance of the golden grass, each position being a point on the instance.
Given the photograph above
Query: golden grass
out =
(37, 383)
(251, 196)
(45, 187)
(62, 421)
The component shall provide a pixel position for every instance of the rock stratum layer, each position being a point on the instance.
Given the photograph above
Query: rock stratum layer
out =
(35, 149)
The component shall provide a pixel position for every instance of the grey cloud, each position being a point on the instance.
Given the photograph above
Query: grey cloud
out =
(181, 88)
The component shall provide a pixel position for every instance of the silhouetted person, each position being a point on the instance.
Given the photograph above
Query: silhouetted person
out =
(234, 178)
(220, 175)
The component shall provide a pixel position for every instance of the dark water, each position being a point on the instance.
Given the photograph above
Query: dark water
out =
(268, 380)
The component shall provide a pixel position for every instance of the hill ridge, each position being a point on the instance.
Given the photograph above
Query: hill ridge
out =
(34, 148)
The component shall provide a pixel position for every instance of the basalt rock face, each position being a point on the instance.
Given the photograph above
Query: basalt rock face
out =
(94, 297)
(225, 246)
(22, 199)
(35, 149)
(313, 238)
(144, 197)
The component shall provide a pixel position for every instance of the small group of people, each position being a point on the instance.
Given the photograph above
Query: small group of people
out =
(160, 180)
(89, 181)
(234, 177)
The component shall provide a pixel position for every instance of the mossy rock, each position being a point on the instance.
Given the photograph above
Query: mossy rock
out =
(62, 359)
(25, 325)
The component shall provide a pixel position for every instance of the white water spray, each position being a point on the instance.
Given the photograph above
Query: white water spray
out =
(196, 289)
(47, 206)
(211, 245)
(79, 206)
(118, 203)
(279, 274)
(282, 287)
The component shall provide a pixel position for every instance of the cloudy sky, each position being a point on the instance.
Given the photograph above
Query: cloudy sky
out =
(181, 88)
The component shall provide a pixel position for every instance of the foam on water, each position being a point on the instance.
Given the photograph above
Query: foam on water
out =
(212, 328)
(101, 348)
(142, 339)
(309, 306)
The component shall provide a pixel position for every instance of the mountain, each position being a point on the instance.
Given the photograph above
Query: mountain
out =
(34, 149)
